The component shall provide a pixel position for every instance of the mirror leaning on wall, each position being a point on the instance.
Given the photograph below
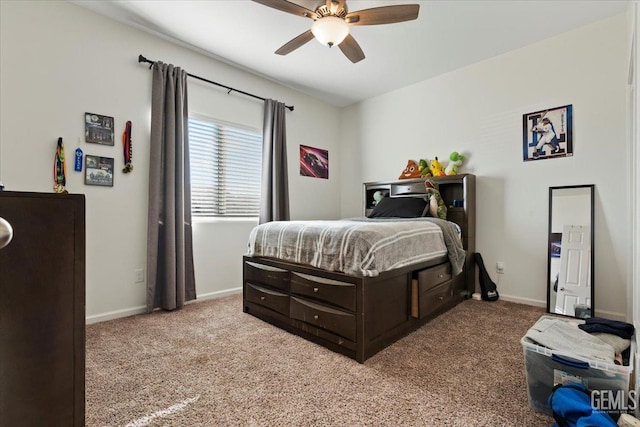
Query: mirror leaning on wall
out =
(570, 287)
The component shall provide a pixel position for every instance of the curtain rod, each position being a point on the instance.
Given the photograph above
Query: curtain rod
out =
(143, 59)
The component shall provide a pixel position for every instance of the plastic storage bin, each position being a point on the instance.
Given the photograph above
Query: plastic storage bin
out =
(546, 368)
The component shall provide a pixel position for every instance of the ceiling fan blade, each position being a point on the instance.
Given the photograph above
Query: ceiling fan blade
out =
(351, 49)
(287, 6)
(383, 15)
(295, 43)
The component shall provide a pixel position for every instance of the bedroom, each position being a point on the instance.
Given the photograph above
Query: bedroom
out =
(53, 70)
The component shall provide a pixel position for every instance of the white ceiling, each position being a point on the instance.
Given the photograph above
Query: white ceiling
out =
(447, 35)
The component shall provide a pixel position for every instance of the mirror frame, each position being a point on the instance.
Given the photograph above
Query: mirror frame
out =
(591, 188)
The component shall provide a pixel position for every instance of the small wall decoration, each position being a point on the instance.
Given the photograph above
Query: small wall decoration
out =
(547, 134)
(98, 170)
(98, 129)
(314, 162)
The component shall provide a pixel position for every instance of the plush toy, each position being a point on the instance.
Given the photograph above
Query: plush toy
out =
(456, 160)
(436, 168)
(433, 192)
(377, 196)
(411, 171)
(423, 167)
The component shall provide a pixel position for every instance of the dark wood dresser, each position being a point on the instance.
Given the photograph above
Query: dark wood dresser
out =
(42, 310)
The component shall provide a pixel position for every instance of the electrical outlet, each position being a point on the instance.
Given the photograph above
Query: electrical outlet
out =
(500, 267)
(139, 275)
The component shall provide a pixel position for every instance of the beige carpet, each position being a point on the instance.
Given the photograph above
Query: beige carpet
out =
(212, 365)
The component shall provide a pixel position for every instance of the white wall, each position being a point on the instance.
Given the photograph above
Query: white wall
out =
(59, 61)
(478, 110)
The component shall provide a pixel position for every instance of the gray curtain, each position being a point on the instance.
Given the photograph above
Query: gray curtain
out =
(170, 274)
(274, 202)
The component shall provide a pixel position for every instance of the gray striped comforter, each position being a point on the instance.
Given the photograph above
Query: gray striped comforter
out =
(359, 246)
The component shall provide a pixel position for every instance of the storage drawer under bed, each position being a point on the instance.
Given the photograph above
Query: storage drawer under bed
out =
(432, 300)
(431, 290)
(432, 277)
(266, 275)
(336, 321)
(337, 293)
(268, 298)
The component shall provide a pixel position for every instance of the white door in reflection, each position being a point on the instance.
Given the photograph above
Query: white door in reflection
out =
(574, 280)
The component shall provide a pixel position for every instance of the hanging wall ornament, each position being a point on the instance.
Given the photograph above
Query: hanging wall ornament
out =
(59, 169)
(78, 163)
(127, 148)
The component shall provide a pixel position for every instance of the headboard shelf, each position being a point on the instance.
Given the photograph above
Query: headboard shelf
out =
(454, 187)
(460, 188)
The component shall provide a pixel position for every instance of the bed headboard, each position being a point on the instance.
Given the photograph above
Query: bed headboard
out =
(461, 188)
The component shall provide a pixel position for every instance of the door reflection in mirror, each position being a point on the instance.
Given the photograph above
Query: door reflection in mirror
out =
(570, 264)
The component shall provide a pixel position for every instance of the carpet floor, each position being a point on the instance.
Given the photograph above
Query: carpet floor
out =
(210, 364)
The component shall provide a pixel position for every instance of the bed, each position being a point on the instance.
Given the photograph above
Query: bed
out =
(357, 302)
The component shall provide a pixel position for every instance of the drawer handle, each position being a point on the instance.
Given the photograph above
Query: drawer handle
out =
(315, 289)
(440, 276)
(315, 317)
(440, 297)
(263, 298)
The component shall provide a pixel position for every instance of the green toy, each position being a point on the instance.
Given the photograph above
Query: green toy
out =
(423, 167)
(456, 160)
(433, 193)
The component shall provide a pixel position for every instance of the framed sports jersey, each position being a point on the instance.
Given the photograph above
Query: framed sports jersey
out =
(547, 134)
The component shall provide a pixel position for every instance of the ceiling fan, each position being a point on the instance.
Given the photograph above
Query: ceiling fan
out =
(332, 20)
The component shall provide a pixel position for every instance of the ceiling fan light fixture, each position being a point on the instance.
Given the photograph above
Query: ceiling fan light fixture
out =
(330, 30)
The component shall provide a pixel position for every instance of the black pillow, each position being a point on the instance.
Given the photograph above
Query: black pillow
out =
(399, 207)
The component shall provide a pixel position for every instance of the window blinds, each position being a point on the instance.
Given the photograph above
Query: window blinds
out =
(226, 162)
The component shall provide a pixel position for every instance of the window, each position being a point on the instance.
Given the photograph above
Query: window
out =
(226, 162)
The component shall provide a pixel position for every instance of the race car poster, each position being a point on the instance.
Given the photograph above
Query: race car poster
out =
(314, 162)
(547, 134)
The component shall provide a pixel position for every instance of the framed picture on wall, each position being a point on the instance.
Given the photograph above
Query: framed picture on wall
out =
(548, 133)
(98, 170)
(98, 129)
(314, 162)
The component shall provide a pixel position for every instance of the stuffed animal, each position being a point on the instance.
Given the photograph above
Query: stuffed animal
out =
(433, 192)
(456, 160)
(377, 196)
(411, 171)
(436, 168)
(423, 167)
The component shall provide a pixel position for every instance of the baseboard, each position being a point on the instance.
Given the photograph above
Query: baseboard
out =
(126, 312)
(611, 315)
(537, 303)
(526, 301)
(117, 314)
(216, 294)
